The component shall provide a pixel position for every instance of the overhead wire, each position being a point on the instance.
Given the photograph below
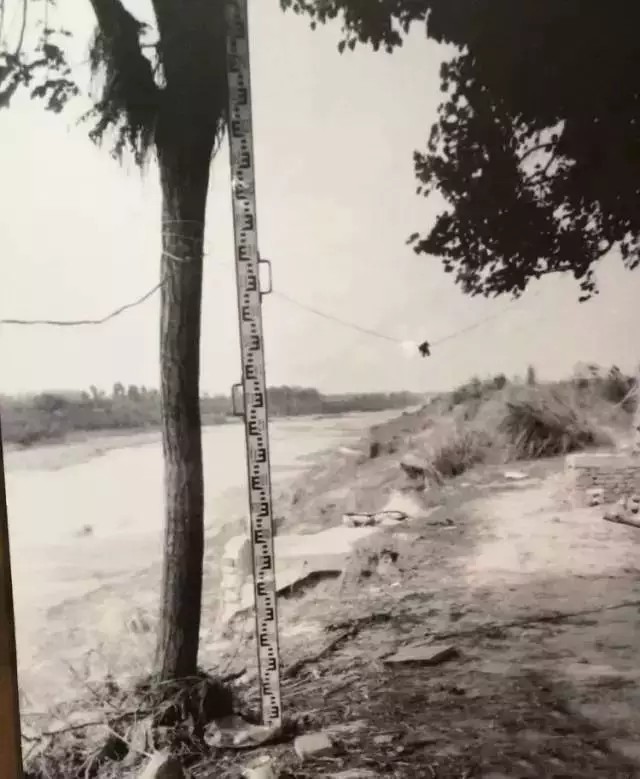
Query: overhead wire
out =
(84, 322)
(332, 318)
(107, 317)
(393, 339)
(365, 331)
(354, 344)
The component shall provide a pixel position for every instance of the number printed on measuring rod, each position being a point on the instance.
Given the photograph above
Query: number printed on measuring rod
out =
(252, 357)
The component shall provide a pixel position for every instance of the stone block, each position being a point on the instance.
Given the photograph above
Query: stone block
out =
(313, 745)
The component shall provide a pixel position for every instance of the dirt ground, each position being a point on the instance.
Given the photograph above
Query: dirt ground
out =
(542, 603)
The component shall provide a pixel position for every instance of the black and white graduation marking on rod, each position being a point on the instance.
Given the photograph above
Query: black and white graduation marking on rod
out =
(253, 386)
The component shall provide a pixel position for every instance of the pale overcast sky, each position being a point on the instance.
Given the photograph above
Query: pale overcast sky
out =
(334, 137)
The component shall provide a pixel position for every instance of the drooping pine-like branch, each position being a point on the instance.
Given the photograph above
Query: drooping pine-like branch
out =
(129, 102)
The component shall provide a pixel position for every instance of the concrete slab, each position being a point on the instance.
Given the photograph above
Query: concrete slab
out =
(286, 578)
(301, 557)
(336, 542)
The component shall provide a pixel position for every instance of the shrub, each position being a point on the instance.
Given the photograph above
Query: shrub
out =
(543, 424)
(459, 452)
(617, 388)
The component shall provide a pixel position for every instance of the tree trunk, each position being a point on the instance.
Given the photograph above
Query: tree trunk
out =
(184, 175)
(636, 418)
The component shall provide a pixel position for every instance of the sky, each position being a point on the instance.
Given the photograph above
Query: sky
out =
(334, 136)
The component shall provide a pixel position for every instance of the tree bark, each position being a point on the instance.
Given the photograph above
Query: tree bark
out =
(184, 175)
(636, 418)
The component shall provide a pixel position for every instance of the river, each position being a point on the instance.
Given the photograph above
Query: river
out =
(85, 520)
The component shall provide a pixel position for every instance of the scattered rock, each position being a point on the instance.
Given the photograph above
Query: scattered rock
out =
(347, 728)
(254, 736)
(383, 739)
(85, 531)
(387, 562)
(446, 522)
(162, 766)
(414, 467)
(515, 475)
(595, 496)
(381, 518)
(422, 653)
(353, 519)
(313, 745)
(140, 740)
(235, 733)
(633, 504)
(627, 748)
(390, 518)
(349, 451)
(354, 773)
(260, 768)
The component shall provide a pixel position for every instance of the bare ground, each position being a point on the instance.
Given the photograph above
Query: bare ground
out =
(542, 603)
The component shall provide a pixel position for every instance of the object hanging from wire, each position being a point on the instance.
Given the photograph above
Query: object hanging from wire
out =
(425, 349)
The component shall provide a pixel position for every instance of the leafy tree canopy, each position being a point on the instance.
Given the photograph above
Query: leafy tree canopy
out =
(536, 148)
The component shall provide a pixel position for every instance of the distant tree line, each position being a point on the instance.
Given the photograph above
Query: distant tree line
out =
(29, 419)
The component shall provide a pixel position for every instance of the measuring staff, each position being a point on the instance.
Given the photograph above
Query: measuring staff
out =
(253, 386)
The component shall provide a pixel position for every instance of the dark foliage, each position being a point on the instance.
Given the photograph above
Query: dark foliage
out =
(140, 86)
(44, 70)
(537, 145)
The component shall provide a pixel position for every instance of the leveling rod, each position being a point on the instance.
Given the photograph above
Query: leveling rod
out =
(254, 388)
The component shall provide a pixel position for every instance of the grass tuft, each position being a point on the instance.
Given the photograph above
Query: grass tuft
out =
(542, 423)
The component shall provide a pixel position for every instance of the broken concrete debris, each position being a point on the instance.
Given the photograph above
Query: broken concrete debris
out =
(235, 733)
(383, 739)
(414, 467)
(595, 496)
(621, 519)
(625, 511)
(515, 475)
(425, 654)
(353, 519)
(313, 745)
(299, 557)
(260, 768)
(383, 518)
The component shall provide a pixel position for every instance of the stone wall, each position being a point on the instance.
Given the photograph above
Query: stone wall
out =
(602, 478)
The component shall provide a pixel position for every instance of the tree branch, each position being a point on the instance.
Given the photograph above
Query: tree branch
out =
(23, 27)
(2, 10)
(113, 18)
(539, 176)
(539, 147)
